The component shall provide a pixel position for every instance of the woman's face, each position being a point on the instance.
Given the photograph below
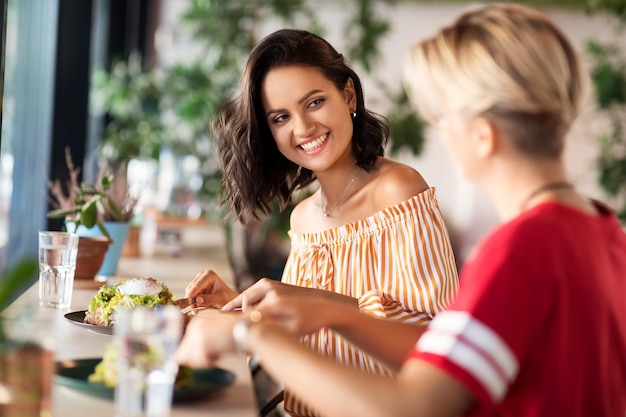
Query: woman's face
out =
(308, 116)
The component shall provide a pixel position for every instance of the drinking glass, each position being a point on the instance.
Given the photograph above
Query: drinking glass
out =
(57, 263)
(146, 340)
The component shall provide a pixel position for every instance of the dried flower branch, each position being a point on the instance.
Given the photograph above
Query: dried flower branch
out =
(91, 205)
(59, 197)
(120, 194)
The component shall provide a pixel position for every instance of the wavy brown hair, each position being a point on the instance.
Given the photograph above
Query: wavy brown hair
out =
(254, 172)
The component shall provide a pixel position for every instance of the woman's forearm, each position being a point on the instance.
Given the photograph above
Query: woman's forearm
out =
(340, 299)
(323, 383)
(387, 340)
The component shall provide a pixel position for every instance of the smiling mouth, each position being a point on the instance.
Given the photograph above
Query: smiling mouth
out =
(314, 144)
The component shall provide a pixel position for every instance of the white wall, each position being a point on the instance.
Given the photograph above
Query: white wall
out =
(468, 213)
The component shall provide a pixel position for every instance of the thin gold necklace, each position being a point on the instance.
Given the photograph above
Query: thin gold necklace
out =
(341, 197)
(556, 185)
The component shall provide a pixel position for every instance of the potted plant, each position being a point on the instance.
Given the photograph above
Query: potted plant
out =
(99, 217)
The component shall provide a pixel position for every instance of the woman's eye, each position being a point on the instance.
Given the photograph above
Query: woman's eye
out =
(316, 102)
(279, 118)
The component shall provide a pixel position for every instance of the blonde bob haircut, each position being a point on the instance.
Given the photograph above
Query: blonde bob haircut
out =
(507, 63)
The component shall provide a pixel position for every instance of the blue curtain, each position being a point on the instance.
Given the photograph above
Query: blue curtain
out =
(32, 90)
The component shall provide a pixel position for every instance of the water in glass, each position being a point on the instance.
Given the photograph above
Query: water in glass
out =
(57, 263)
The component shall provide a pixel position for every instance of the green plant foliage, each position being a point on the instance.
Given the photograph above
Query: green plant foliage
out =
(132, 101)
(192, 96)
(608, 74)
(612, 162)
(87, 204)
(406, 127)
(367, 28)
(616, 8)
(15, 280)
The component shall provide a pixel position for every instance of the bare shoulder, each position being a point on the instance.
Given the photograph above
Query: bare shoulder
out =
(396, 182)
(302, 213)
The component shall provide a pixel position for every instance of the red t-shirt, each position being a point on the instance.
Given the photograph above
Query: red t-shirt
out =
(539, 325)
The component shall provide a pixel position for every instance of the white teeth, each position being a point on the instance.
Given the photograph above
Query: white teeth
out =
(315, 143)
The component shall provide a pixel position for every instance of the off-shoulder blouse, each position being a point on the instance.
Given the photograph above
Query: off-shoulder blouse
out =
(398, 263)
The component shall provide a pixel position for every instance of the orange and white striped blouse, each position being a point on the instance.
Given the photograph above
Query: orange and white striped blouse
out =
(398, 263)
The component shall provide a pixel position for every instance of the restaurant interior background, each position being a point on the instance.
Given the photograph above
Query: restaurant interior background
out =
(55, 50)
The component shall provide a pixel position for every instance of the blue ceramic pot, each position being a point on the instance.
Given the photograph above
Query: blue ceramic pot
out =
(119, 233)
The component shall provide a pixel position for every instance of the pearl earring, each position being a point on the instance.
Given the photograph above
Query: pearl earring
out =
(353, 114)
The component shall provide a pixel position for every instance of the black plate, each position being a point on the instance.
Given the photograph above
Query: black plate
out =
(74, 374)
(78, 318)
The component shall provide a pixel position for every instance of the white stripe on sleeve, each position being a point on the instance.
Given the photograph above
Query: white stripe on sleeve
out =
(474, 347)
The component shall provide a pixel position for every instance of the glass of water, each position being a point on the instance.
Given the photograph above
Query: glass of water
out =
(57, 263)
(146, 340)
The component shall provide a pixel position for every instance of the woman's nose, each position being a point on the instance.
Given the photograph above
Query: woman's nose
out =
(303, 126)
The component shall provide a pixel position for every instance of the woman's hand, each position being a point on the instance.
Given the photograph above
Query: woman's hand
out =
(210, 290)
(302, 315)
(256, 295)
(206, 339)
(301, 310)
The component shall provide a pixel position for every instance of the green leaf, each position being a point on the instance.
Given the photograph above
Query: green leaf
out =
(105, 182)
(103, 229)
(17, 279)
(89, 214)
(62, 213)
(100, 206)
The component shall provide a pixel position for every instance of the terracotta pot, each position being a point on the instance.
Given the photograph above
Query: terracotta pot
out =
(118, 231)
(91, 251)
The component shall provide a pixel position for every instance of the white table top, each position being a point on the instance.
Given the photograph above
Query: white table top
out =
(71, 341)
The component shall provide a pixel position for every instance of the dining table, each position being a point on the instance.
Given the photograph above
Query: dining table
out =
(202, 247)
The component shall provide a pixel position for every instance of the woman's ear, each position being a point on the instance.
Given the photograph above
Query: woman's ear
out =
(486, 137)
(350, 94)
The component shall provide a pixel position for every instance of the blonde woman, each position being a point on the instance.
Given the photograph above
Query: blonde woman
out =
(539, 325)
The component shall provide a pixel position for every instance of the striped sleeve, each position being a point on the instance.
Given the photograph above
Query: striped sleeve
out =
(470, 350)
(415, 277)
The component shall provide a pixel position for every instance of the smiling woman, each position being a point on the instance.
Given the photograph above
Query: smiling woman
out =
(371, 237)
(279, 100)
(307, 114)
